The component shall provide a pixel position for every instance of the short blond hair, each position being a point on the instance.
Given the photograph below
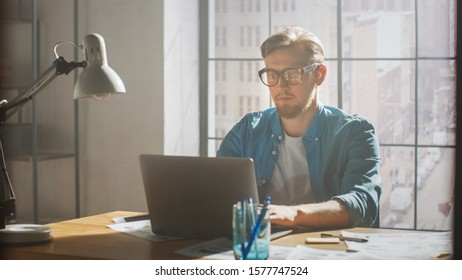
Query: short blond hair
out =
(295, 36)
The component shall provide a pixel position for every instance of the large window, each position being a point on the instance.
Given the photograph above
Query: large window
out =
(391, 61)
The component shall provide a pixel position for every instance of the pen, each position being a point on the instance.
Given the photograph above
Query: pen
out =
(136, 218)
(355, 239)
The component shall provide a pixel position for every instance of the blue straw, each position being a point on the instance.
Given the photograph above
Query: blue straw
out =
(256, 228)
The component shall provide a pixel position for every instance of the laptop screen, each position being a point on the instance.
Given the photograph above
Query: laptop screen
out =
(193, 196)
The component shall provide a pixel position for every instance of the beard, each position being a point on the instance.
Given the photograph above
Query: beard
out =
(287, 111)
(290, 111)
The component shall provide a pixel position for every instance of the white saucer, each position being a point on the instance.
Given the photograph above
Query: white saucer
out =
(25, 234)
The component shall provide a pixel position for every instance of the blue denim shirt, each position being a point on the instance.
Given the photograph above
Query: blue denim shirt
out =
(342, 152)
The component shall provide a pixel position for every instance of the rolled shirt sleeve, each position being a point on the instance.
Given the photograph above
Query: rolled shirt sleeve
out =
(360, 182)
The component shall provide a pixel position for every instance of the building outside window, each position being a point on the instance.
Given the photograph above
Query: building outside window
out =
(392, 62)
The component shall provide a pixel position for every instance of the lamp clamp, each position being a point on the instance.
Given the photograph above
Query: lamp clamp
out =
(64, 67)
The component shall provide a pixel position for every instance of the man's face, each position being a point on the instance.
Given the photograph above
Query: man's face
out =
(291, 100)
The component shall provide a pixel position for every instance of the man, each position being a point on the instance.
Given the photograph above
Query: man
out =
(319, 164)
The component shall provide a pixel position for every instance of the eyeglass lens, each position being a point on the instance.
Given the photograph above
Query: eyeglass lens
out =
(291, 76)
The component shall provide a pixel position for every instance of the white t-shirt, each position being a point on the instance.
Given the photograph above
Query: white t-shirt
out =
(290, 183)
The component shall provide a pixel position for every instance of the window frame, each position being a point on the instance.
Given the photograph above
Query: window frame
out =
(340, 60)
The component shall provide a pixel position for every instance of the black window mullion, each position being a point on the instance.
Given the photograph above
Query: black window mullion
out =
(203, 76)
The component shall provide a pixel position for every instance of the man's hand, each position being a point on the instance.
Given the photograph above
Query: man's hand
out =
(282, 215)
(329, 214)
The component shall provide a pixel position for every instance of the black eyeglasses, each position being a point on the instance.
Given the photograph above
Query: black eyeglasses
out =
(292, 76)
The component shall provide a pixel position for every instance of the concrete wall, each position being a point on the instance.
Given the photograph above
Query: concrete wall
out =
(146, 42)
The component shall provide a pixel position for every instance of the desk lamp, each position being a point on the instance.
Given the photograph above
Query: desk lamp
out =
(97, 80)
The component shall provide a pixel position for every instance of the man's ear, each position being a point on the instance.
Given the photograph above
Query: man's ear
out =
(321, 74)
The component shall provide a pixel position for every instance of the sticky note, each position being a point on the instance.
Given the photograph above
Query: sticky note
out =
(320, 240)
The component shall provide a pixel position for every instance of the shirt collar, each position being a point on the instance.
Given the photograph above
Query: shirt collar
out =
(316, 125)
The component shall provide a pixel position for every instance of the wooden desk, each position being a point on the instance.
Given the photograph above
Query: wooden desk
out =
(90, 238)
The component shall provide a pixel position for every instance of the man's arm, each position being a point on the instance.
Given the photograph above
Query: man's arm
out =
(329, 214)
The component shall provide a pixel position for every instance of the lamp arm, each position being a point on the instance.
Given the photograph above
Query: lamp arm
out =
(60, 66)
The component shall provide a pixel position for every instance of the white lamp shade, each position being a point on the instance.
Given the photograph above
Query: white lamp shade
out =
(97, 78)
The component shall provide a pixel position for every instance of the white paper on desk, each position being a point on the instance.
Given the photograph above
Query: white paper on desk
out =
(307, 253)
(221, 249)
(141, 229)
(119, 220)
(419, 245)
(214, 249)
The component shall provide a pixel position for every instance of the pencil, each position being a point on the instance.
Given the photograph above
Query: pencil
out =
(344, 238)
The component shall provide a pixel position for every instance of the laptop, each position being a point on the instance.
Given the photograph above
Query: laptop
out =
(193, 197)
